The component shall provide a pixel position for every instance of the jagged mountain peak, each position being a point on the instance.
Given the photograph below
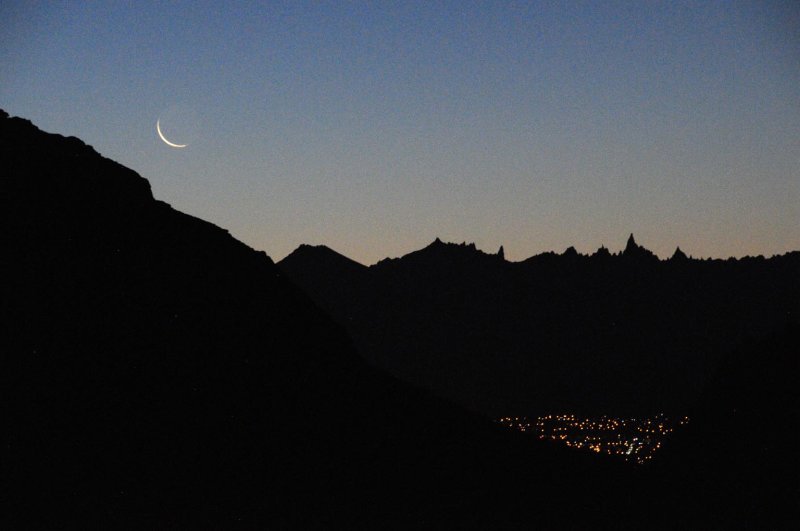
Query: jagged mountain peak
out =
(678, 254)
(602, 251)
(320, 257)
(440, 254)
(439, 244)
(634, 250)
(308, 249)
(631, 244)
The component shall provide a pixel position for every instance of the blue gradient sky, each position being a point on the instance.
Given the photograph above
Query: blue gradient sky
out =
(375, 127)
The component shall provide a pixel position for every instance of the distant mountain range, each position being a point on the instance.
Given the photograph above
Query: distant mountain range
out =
(624, 333)
(155, 373)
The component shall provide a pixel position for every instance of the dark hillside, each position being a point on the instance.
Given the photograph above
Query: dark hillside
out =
(158, 374)
(740, 450)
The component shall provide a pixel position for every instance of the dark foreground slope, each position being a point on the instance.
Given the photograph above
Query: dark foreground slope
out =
(620, 334)
(157, 374)
(738, 457)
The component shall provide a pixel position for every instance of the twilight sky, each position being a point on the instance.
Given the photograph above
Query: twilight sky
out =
(374, 127)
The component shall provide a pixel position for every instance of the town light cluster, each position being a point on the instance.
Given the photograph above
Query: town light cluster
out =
(628, 438)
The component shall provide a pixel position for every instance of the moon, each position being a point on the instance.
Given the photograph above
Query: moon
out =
(167, 142)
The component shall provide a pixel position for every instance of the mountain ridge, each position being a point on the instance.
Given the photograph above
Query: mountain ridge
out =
(454, 308)
(632, 248)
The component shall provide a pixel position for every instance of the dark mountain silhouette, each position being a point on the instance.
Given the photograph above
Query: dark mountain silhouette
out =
(626, 333)
(158, 374)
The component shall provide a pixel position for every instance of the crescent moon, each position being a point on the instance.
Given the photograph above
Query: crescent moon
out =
(167, 142)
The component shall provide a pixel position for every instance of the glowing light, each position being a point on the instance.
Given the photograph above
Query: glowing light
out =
(630, 439)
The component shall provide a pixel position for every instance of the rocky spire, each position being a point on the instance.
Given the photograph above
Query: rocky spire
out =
(501, 253)
(631, 246)
(634, 250)
(602, 251)
(678, 254)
